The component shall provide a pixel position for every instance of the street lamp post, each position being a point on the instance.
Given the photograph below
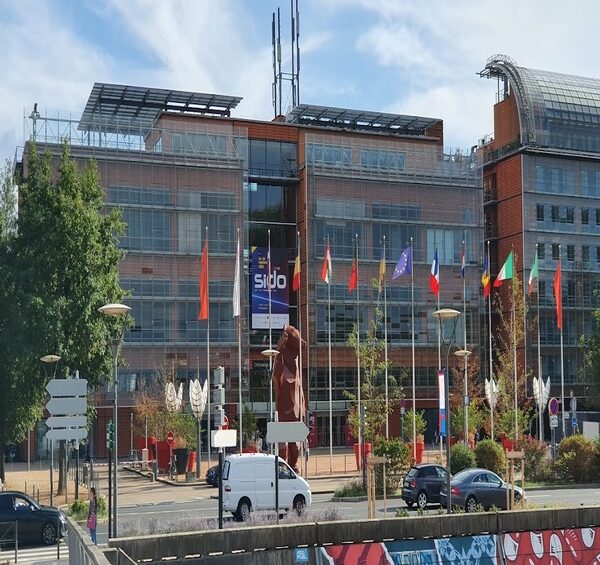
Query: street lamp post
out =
(48, 361)
(447, 319)
(115, 310)
(464, 354)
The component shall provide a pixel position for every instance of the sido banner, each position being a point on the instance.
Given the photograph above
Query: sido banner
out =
(259, 290)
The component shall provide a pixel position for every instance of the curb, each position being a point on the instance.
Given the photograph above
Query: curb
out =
(148, 475)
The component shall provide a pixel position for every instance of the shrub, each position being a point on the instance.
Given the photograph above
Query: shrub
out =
(461, 457)
(398, 456)
(490, 455)
(78, 509)
(575, 460)
(353, 488)
(537, 463)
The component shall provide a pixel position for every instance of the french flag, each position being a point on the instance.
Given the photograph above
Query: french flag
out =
(434, 277)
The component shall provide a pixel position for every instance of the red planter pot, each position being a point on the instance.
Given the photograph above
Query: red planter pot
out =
(419, 451)
(163, 453)
(357, 454)
(508, 444)
(140, 443)
(191, 465)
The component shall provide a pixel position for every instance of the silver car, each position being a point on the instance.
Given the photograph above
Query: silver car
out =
(473, 487)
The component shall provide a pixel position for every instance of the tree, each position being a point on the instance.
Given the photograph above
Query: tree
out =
(370, 351)
(8, 201)
(60, 267)
(592, 360)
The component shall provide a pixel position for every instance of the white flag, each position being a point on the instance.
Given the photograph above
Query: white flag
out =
(236, 283)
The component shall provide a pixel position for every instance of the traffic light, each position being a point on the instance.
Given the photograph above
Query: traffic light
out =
(110, 435)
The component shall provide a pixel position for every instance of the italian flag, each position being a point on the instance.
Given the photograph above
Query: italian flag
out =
(533, 275)
(506, 272)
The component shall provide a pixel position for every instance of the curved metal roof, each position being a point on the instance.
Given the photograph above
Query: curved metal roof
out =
(555, 110)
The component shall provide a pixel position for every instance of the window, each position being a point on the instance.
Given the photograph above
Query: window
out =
(328, 155)
(272, 158)
(152, 321)
(590, 183)
(553, 180)
(555, 210)
(382, 159)
(146, 230)
(542, 250)
(598, 216)
(585, 216)
(585, 255)
(207, 200)
(569, 216)
(191, 228)
(540, 212)
(340, 208)
(401, 212)
(570, 253)
(342, 238)
(598, 255)
(555, 251)
(138, 195)
(199, 143)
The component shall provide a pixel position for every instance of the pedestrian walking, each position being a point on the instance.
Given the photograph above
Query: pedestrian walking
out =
(92, 517)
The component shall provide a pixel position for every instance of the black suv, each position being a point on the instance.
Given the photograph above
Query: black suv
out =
(422, 485)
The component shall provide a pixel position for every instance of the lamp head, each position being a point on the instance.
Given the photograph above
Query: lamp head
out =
(447, 318)
(114, 309)
(50, 358)
(463, 353)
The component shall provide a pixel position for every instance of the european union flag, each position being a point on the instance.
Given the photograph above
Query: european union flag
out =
(404, 264)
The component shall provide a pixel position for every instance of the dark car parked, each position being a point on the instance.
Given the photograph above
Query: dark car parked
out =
(473, 487)
(35, 523)
(212, 476)
(422, 485)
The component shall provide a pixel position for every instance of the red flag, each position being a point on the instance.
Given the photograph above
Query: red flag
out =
(203, 283)
(434, 276)
(296, 279)
(326, 270)
(352, 283)
(558, 295)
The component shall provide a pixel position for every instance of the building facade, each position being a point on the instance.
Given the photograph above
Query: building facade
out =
(182, 169)
(541, 176)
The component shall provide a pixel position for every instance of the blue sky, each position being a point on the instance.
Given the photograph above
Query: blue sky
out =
(404, 56)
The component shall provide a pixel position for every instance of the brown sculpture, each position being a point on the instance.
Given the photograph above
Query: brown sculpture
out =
(287, 383)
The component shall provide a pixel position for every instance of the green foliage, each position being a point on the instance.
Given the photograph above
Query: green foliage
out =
(8, 202)
(461, 457)
(537, 462)
(490, 455)
(78, 509)
(58, 269)
(591, 346)
(398, 456)
(407, 424)
(505, 423)
(576, 456)
(370, 350)
(401, 513)
(475, 420)
(350, 489)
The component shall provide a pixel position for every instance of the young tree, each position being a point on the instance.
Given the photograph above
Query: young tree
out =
(8, 201)
(62, 265)
(592, 361)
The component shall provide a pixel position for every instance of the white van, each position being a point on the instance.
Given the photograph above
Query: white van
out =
(249, 484)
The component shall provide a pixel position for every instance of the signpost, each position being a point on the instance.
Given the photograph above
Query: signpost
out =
(283, 432)
(553, 411)
(67, 407)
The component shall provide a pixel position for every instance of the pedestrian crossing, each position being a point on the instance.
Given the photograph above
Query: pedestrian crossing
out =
(34, 555)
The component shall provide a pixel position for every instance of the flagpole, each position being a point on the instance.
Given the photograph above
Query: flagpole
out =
(440, 357)
(307, 323)
(299, 309)
(539, 349)
(489, 297)
(414, 376)
(270, 327)
(514, 337)
(330, 379)
(385, 352)
(208, 350)
(358, 387)
(562, 361)
(239, 312)
(465, 388)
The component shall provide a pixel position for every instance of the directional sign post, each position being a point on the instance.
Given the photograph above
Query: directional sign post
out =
(553, 411)
(223, 438)
(67, 407)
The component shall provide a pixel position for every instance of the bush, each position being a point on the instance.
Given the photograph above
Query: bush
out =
(79, 508)
(490, 455)
(353, 488)
(537, 463)
(461, 457)
(398, 456)
(576, 456)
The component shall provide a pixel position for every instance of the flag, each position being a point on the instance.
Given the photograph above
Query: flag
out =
(326, 270)
(462, 261)
(506, 272)
(353, 282)
(533, 275)
(381, 273)
(203, 283)
(434, 277)
(404, 264)
(485, 277)
(558, 295)
(296, 280)
(236, 283)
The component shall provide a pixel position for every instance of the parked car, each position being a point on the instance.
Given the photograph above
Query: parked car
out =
(249, 484)
(473, 487)
(35, 523)
(422, 485)
(212, 476)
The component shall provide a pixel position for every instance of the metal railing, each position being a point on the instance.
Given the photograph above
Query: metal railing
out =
(6, 528)
(81, 549)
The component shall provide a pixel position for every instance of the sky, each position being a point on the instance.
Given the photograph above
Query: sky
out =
(411, 57)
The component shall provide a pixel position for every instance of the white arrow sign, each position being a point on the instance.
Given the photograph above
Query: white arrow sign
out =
(224, 438)
(67, 387)
(67, 406)
(66, 422)
(284, 432)
(66, 433)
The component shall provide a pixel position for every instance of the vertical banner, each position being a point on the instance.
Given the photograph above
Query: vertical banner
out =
(442, 400)
(280, 313)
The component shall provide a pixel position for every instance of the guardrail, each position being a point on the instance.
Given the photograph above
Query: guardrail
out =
(260, 539)
(81, 549)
